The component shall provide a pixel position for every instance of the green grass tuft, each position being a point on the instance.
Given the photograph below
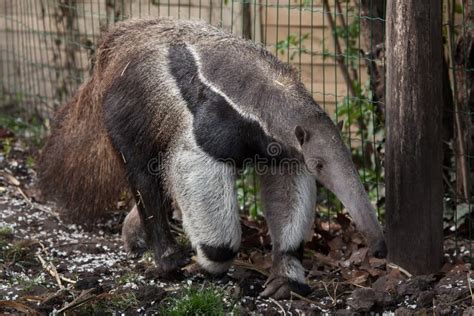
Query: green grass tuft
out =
(6, 232)
(129, 277)
(205, 301)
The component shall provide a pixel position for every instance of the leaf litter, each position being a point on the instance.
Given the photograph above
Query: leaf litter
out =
(50, 267)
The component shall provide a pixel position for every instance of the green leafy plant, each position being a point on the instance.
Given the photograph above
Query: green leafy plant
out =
(129, 277)
(363, 130)
(293, 43)
(109, 304)
(247, 193)
(6, 146)
(32, 130)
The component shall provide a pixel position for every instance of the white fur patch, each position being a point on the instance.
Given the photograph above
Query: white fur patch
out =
(301, 213)
(205, 191)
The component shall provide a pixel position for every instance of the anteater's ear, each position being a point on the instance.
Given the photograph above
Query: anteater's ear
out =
(340, 125)
(301, 134)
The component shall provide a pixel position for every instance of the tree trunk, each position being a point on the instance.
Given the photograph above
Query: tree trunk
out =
(246, 20)
(414, 187)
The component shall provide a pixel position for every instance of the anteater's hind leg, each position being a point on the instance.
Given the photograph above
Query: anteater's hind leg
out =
(132, 125)
(133, 234)
(153, 208)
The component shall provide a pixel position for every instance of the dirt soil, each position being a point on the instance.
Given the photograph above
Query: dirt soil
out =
(48, 266)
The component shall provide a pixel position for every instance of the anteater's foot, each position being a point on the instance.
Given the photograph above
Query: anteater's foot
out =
(280, 287)
(172, 259)
(133, 236)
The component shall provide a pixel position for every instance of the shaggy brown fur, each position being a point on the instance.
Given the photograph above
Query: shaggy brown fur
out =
(79, 169)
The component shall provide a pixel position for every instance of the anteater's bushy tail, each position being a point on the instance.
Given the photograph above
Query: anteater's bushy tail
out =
(79, 168)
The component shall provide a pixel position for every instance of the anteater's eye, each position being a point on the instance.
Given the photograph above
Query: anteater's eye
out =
(319, 165)
(316, 164)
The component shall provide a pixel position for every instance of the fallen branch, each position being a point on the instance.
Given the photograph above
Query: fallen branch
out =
(19, 307)
(78, 301)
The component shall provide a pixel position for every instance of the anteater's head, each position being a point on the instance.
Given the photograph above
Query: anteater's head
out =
(329, 160)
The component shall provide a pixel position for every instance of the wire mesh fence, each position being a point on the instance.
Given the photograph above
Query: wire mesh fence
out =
(47, 50)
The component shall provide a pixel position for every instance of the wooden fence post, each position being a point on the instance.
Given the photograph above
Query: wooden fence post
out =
(413, 162)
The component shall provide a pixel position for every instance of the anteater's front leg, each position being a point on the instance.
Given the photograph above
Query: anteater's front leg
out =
(204, 189)
(289, 199)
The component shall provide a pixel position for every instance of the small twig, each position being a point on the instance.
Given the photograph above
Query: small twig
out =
(39, 207)
(49, 212)
(458, 301)
(278, 304)
(77, 301)
(76, 243)
(123, 71)
(51, 269)
(140, 200)
(176, 228)
(53, 296)
(327, 291)
(356, 285)
(307, 300)
(249, 266)
(469, 285)
(394, 266)
(25, 197)
(446, 180)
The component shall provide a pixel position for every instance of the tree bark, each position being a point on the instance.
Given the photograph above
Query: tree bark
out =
(413, 163)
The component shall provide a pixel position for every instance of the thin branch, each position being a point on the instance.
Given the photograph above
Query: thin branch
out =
(460, 139)
(307, 300)
(344, 26)
(337, 46)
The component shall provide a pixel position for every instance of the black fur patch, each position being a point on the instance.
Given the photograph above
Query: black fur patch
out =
(219, 129)
(300, 288)
(130, 127)
(218, 254)
(296, 253)
(127, 117)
